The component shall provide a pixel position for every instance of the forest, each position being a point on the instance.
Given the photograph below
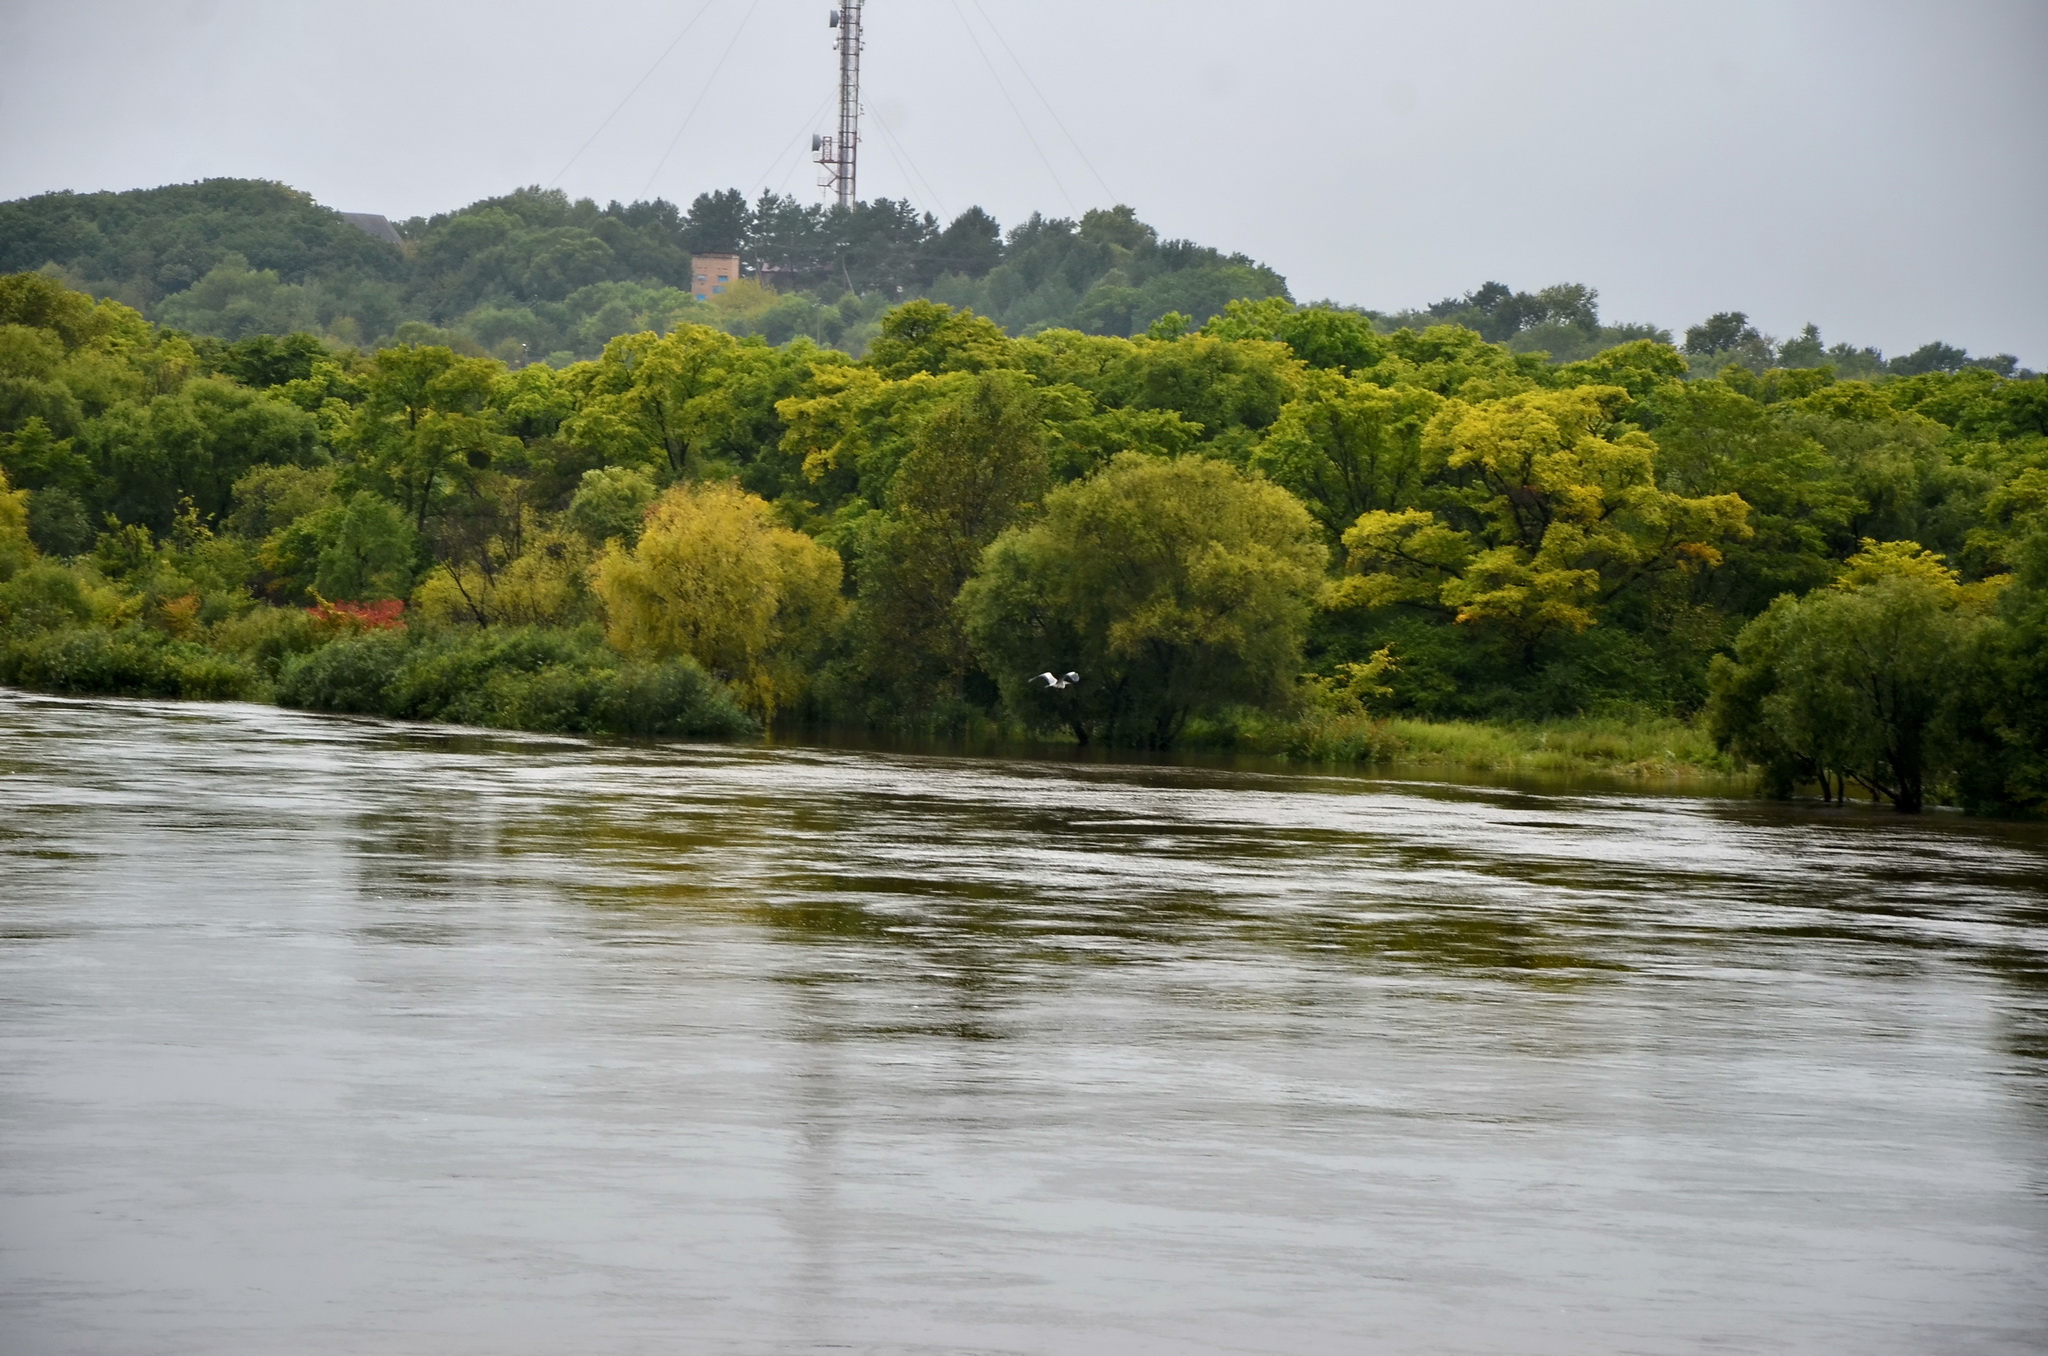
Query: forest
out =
(534, 276)
(1254, 525)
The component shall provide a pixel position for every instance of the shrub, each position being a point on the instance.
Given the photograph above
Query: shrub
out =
(675, 698)
(526, 678)
(448, 676)
(267, 637)
(130, 662)
(43, 597)
(353, 676)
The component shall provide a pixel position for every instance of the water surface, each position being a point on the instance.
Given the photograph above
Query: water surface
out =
(334, 1036)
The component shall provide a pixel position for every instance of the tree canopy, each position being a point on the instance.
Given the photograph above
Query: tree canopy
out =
(1276, 510)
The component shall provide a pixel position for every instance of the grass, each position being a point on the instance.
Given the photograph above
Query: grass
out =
(1611, 746)
(1632, 746)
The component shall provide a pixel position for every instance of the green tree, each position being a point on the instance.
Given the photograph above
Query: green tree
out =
(234, 301)
(1720, 333)
(690, 404)
(1851, 684)
(16, 551)
(1712, 439)
(1176, 588)
(1547, 514)
(424, 422)
(926, 336)
(366, 550)
(1347, 447)
(977, 463)
(611, 502)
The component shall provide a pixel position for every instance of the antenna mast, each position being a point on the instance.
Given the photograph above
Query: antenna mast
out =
(838, 153)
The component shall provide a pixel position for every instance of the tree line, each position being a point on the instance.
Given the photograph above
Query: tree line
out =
(1280, 518)
(533, 275)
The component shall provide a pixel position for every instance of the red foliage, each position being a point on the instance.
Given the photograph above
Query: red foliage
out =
(386, 615)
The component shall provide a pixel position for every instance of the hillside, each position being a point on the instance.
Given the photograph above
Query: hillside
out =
(535, 275)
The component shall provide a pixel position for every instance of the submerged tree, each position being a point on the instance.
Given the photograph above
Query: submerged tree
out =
(1175, 588)
(714, 577)
(1851, 684)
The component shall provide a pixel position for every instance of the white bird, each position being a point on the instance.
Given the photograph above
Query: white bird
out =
(1055, 683)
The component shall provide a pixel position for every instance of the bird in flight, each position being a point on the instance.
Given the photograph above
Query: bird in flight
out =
(1053, 682)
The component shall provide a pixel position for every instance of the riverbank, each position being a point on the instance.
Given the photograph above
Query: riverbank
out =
(1658, 748)
(565, 682)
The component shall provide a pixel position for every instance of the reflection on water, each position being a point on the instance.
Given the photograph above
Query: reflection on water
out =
(332, 1036)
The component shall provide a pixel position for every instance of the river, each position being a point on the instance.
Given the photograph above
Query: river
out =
(343, 1036)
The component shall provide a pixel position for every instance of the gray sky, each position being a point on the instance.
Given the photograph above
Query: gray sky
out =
(1877, 168)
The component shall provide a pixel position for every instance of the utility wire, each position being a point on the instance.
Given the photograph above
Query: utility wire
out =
(701, 94)
(810, 122)
(901, 154)
(1057, 120)
(1005, 91)
(705, 8)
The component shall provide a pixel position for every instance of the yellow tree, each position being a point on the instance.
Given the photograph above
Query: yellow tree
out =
(15, 549)
(1545, 514)
(715, 577)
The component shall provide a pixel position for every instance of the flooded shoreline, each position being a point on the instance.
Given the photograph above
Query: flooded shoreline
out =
(341, 1035)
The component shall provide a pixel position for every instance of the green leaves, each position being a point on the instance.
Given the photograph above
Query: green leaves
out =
(1346, 447)
(1175, 588)
(1852, 684)
(1546, 513)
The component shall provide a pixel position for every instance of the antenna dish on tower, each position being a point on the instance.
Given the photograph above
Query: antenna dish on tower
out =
(838, 154)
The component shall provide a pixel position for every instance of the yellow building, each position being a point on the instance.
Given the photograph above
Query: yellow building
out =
(711, 274)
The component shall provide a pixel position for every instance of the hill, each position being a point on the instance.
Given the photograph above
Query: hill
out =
(536, 275)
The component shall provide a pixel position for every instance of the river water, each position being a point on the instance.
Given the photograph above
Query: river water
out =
(333, 1036)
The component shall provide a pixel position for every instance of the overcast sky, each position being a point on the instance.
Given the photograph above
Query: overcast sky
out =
(1880, 169)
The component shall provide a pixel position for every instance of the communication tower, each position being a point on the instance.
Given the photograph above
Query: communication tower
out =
(838, 153)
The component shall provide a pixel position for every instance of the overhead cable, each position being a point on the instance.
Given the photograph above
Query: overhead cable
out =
(1057, 120)
(810, 121)
(1004, 89)
(702, 10)
(708, 83)
(901, 154)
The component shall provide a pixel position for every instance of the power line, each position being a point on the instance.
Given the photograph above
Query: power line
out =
(901, 154)
(701, 94)
(810, 120)
(1057, 120)
(702, 10)
(1019, 113)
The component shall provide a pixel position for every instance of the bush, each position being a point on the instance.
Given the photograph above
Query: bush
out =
(676, 698)
(131, 662)
(450, 676)
(527, 678)
(43, 597)
(353, 676)
(267, 637)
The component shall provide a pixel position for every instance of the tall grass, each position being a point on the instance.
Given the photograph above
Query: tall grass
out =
(1633, 747)
(1624, 746)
